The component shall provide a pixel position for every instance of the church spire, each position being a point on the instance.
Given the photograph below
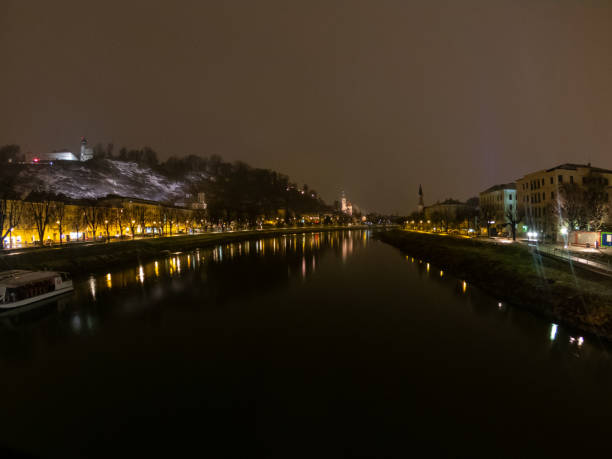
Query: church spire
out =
(421, 205)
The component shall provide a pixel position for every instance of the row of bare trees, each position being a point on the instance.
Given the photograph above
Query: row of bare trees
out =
(41, 212)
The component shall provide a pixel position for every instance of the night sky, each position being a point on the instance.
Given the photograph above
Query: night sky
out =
(373, 97)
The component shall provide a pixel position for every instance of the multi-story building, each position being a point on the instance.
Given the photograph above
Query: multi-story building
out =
(193, 202)
(538, 195)
(496, 203)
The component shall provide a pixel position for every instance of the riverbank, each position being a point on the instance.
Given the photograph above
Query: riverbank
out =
(514, 274)
(81, 259)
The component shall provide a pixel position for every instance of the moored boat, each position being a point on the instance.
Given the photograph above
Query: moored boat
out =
(20, 287)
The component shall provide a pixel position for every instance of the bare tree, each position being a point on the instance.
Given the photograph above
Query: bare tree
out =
(40, 212)
(161, 217)
(200, 217)
(106, 218)
(571, 208)
(59, 215)
(11, 212)
(596, 201)
(132, 220)
(120, 217)
(77, 220)
(173, 217)
(92, 214)
(441, 218)
(513, 217)
(141, 217)
(487, 213)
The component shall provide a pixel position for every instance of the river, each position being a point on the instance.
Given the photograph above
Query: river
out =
(315, 345)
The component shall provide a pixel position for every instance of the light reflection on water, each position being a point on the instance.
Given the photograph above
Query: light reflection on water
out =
(306, 246)
(377, 316)
(575, 341)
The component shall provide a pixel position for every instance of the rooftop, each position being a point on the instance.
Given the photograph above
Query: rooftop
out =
(503, 186)
(573, 167)
(18, 277)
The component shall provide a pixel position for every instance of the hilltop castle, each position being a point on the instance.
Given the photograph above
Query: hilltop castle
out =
(85, 154)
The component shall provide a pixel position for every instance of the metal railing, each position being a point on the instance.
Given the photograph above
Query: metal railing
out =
(568, 256)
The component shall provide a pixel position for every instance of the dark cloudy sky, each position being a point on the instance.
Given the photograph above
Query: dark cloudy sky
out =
(372, 97)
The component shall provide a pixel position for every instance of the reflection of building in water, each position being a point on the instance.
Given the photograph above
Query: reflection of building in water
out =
(347, 247)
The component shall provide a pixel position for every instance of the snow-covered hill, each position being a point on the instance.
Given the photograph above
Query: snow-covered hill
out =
(100, 178)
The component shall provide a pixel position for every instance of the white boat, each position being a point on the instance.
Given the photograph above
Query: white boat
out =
(19, 287)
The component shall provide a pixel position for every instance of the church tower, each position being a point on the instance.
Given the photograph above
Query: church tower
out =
(86, 152)
(421, 206)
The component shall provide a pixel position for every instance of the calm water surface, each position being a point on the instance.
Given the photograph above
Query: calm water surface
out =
(316, 345)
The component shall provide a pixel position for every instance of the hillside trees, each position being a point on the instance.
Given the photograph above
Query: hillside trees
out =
(11, 154)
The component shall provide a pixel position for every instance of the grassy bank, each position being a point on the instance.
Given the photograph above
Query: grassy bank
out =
(80, 259)
(512, 273)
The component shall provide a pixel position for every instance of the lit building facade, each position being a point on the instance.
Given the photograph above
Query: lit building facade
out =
(538, 196)
(498, 201)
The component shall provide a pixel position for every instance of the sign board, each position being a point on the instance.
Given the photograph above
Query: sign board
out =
(606, 239)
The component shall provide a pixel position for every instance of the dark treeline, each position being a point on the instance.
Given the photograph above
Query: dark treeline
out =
(237, 191)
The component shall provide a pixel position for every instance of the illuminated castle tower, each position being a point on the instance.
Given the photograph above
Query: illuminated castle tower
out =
(421, 206)
(86, 152)
(343, 203)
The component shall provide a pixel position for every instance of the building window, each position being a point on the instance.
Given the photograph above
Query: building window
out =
(560, 179)
(510, 207)
(543, 196)
(552, 180)
(510, 197)
(552, 195)
(542, 182)
(571, 179)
